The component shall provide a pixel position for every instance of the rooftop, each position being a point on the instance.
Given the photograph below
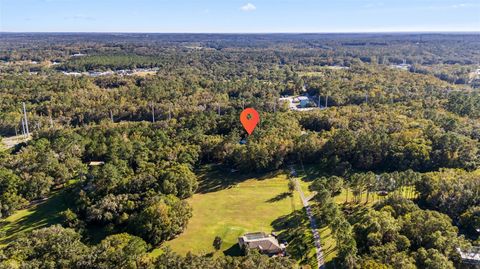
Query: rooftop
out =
(471, 256)
(265, 243)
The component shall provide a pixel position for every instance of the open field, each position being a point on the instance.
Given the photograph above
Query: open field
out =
(227, 204)
(248, 206)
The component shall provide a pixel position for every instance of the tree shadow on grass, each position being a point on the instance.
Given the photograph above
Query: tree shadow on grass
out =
(279, 197)
(233, 251)
(217, 177)
(311, 172)
(354, 212)
(294, 229)
(291, 221)
(42, 215)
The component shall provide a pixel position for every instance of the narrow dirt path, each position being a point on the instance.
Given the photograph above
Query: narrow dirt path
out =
(313, 225)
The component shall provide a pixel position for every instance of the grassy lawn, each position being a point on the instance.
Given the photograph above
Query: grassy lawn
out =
(249, 206)
(227, 204)
(374, 197)
(329, 245)
(41, 215)
(37, 216)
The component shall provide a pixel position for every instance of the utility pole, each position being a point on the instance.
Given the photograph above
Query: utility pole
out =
(111, 115)
(218, 109)
(26, 120)
(366, 98)
(318, 100)
(326, 101)
(23, 127)
(153, 112)
(170, 112)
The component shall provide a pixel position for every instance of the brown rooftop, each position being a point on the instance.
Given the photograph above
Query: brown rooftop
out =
(266, 244)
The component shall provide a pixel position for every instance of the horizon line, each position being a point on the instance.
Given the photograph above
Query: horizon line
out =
(245, 33)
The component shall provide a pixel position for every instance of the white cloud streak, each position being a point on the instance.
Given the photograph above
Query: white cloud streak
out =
(248, 7)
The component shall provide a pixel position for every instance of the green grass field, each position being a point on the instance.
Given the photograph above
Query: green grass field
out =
(36, 216)
(249, 206)
(226, 204)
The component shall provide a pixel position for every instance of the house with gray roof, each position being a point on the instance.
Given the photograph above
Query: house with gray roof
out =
(265, 243)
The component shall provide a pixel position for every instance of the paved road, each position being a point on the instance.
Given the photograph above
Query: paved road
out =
(313, 226)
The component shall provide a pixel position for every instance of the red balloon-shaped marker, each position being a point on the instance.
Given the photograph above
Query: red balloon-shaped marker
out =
(249, 119)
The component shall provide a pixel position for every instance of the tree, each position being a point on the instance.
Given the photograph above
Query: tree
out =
(291, 186)
(70, 219)
(179, 180)
(432, 259)
(357, 181)
(370, 183)
(431, 229)
(10, 199)
(253, 259)
(119, 251)
(369, 263)
(163, 219)
(378, 228)
(217, 243)
(470, 220)
(52, 247)
(335, 185)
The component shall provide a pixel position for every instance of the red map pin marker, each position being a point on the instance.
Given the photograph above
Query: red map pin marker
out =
(249, 119)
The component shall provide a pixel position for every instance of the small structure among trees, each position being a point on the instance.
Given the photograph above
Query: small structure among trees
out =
(470, 256)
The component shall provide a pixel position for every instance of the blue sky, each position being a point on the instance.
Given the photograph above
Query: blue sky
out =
(238, 16)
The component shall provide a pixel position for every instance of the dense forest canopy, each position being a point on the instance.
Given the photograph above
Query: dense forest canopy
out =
(394, 113)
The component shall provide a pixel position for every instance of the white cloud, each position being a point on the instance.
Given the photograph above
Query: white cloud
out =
(248, 7)
(459, 5)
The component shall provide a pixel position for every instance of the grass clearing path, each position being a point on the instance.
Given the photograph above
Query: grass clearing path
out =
(39, 215)
(230, 211)
(313, 225)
